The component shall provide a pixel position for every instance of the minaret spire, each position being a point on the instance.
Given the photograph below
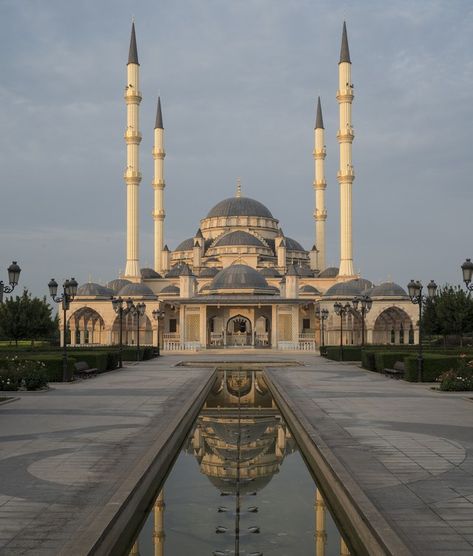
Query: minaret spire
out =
(158, 186)
(346, 174)
(133, 52)
(159, 116)
(238, 190)
(344, 50)
(132, 172)
(320, 212)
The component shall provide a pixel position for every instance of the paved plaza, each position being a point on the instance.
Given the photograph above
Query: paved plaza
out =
(66, 452)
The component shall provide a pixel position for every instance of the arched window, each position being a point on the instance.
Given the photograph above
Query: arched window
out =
(393, 336)
(411, 334)
(401, 334)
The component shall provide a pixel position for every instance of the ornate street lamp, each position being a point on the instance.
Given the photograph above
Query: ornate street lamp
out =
(321, 315)
(414, 289)
(362, 305)
(138, 311)
(121, 308)
(13, 277)
(467, 271)
(342, 311)
(69, 291)
(158, 316)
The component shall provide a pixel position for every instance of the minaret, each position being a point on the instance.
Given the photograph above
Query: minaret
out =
(320, 530)
(158, 529)
(132, 173)
(320, 212)
(345, 174)
(158, 186)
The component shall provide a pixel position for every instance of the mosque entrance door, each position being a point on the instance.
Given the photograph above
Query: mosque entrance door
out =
(239, 332)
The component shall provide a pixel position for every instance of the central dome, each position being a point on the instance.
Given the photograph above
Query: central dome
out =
(239, 206)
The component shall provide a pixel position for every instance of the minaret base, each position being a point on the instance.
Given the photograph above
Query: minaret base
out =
(346, 268)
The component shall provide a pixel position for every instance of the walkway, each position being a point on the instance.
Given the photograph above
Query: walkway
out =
(66, 454)
(409, 448)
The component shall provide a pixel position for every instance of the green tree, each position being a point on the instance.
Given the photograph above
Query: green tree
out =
(26, 318)
(450, 314)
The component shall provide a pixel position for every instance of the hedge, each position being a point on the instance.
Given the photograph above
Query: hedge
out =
(434, 365)
(53, 365)
(368, 360)
(386, 359)
(349, 353)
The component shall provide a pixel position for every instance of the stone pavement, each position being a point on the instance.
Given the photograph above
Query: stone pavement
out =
(63, 452)
(409, 448)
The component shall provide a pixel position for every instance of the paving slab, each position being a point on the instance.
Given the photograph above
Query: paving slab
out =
(64, 453)
(409, 448)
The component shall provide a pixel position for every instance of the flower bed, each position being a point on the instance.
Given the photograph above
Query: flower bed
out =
(22, 374)
(459, 379)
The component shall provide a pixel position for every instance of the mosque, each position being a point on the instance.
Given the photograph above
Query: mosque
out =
(240, 282)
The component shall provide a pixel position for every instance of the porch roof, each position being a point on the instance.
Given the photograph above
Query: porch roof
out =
(239, 300)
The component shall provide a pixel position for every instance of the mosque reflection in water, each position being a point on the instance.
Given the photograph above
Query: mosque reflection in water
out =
(240, 442)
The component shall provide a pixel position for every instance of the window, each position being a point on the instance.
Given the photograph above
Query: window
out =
(393, 336)
(401, 334)
(305, 324)
(172, 325)
(411, 334)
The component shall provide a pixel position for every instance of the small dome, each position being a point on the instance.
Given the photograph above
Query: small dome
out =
(239, 206)
(304, 271)
(186, 245)
(117, 284)
(94, 290)
(238, 238)
(330, 272)
(388, 289)
(349, 289)
(308, 289)
(170, 290)
(240, 277)
(293, 245)
(208, 272)
(147, 273)
(136, 290)
(270, 272)
(175, 271)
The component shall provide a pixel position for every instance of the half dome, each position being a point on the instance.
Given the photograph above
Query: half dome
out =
(238, 238)
(94, 290)
(117, 284)
(186, 245)
(170, 290)
(349, 289)
(239, 206)
(240, 277)
(388, 289)
(330, 272)
(147, 273)
(136, 290)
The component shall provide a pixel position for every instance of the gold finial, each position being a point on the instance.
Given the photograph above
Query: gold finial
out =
(238, 191)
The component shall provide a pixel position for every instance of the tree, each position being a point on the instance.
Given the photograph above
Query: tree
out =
(26, 318)
(450, 314)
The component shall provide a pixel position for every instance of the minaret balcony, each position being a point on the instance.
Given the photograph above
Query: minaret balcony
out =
(345, 95)
(346, 136)
(158, 184)
(158, 153)
(159, 214)
(347, 176)
(320, 215)
(320, 153)
(320, 184)
(132, 176)
(132, 95)
(132, 137)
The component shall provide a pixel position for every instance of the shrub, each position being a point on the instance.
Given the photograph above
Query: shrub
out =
(386, 359)
(434, 365)
(323, 351)
(349, 353)
(459, 379)
(368, 360)
(53, 365)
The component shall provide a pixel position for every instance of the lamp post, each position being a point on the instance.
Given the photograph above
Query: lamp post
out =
(69, 291)
(138, 311)
(121, 307)
(341, 311)
(158, 316)
(414, 289)
(467, 271)
(322, 316)
(13, 277)
(362, 305)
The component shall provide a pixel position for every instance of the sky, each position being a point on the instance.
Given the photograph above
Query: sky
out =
(239, 82)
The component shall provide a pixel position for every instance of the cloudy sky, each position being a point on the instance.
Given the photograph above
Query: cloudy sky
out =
(238, 81)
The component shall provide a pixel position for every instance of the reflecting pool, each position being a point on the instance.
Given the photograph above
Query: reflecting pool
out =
(240, 485)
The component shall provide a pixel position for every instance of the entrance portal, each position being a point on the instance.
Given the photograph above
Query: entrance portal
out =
(239, 331)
